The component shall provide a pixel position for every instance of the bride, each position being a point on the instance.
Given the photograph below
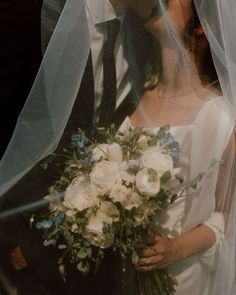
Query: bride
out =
(181, 94)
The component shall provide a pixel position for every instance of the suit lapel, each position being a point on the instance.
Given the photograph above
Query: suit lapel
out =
(83, 109)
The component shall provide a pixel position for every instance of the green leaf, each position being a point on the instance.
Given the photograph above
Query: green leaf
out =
(135, 258)
(180, 178)
(82, 253)
(80, 266)
(89, 252)
(84, 268)
(166, 177)
(62, 269)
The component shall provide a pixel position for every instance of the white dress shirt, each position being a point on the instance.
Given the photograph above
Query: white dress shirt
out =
(98, 13)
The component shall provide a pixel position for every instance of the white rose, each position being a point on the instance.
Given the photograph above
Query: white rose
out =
(104, 176)
(156, 158)
(148, 182)
(112, 152)
(100, 152)
(94, 230)
(80, 196)
(115, 153)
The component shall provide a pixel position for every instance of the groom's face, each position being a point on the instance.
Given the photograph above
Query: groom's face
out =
(144, 8)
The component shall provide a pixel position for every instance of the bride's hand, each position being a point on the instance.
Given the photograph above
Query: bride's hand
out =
(162, 253)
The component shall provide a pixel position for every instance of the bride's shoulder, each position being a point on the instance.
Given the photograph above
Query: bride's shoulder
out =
(216, 112)
(210, 100)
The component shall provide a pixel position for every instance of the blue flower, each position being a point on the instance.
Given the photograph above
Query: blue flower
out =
(58, 219)
(78, 140)
(173, 146)
(167, 139)
(44, 224)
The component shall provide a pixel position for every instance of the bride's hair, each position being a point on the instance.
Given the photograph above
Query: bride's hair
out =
(192, 42)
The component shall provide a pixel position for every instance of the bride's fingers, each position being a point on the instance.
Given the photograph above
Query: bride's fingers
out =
(148, 267)
(148, 261)
(146, 252)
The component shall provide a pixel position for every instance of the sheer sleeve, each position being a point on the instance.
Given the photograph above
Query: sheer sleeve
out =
(225, 183)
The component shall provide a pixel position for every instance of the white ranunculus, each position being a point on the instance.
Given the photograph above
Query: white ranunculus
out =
(133, 200)
(74, 228)
(115, 153)
(70, 213)
(128, 170)
(119, 193)
(104, 175)
(150, 132)
(125, 196)
(80, 196)
(141, 215)
(100, 152)
(106, 214)
(148, 182)
(143, 142)
(110, 211)
(156, 158)
(56, 206)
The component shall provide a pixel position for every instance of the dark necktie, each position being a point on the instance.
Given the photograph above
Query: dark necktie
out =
(108, 103)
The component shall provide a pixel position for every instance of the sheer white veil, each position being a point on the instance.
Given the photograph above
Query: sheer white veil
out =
(49, 104)
(45, 114)
(219, 23)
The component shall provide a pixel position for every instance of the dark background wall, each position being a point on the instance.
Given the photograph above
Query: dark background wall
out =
(20, 56)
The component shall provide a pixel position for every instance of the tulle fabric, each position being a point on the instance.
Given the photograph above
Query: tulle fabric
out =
(218, 20)
(48, 107)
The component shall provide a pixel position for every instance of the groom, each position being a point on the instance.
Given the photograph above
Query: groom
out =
(94, 101)
(111, 86)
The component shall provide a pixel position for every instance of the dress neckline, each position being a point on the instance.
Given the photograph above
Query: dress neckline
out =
(202, 109)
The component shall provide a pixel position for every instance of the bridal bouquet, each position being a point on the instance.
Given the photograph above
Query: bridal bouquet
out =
(108, 195)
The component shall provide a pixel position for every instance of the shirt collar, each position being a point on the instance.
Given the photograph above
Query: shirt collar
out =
(102, 11)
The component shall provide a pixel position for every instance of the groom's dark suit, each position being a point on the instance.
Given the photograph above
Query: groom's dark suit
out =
(43, 261)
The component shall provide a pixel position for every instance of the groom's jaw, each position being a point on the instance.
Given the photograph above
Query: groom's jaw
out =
(144, 8)
(120, 6)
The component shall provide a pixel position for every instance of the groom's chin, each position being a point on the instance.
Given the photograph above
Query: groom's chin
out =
(144, 8)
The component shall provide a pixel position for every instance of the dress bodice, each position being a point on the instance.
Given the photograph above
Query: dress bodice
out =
(201, 141)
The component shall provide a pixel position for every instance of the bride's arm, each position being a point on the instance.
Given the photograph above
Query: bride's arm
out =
(166, 251)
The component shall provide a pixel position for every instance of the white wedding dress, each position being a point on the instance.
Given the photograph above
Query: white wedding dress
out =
(201, 142)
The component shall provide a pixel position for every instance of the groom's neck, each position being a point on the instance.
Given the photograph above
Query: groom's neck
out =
(120, 6)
